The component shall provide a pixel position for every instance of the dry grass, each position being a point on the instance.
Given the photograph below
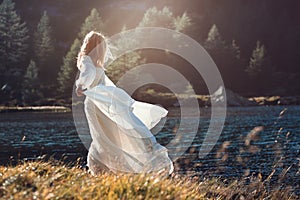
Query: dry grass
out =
(55, 180)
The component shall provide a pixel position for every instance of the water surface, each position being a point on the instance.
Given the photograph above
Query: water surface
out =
(238, 152)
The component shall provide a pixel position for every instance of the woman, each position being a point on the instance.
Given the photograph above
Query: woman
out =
(119, 125)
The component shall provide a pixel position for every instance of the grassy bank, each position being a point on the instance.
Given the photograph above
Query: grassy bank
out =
(55, 180)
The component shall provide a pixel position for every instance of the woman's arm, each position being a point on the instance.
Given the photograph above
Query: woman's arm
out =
(86, 76)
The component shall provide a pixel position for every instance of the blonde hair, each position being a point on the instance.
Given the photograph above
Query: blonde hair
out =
(90, 42)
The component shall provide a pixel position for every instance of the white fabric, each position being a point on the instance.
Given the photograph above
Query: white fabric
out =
(120, 126)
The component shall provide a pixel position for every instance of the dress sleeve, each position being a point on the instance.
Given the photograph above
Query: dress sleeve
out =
(87, 74)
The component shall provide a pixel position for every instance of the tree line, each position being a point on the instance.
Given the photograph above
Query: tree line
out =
(23, 83)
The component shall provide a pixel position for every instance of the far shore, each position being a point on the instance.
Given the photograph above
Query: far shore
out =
(34, 109)
(168, 100)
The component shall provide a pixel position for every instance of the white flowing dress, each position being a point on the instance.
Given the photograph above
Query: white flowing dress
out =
(120, 126)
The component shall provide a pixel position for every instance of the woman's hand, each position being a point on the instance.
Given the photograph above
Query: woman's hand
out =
(79, 91)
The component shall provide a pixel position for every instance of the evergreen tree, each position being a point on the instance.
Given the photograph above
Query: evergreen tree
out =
(257, 60)
(127, 61)
(235, 49)
(67, 73)
(227, 58)
(30, 87)
(92, 23)
(154, 17)
(181, 23)
(165, 18)
(43, 43)
(124, 63)
(13, 43)
(214, 39)
(259, 71)
(236, 73)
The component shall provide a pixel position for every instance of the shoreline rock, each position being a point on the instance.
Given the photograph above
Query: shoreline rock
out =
(232, 98)
(277, 100)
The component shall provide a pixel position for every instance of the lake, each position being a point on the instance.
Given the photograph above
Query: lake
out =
(242, 150)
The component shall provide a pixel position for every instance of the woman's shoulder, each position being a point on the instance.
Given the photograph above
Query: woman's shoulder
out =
(86, 58)
(87, 62)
